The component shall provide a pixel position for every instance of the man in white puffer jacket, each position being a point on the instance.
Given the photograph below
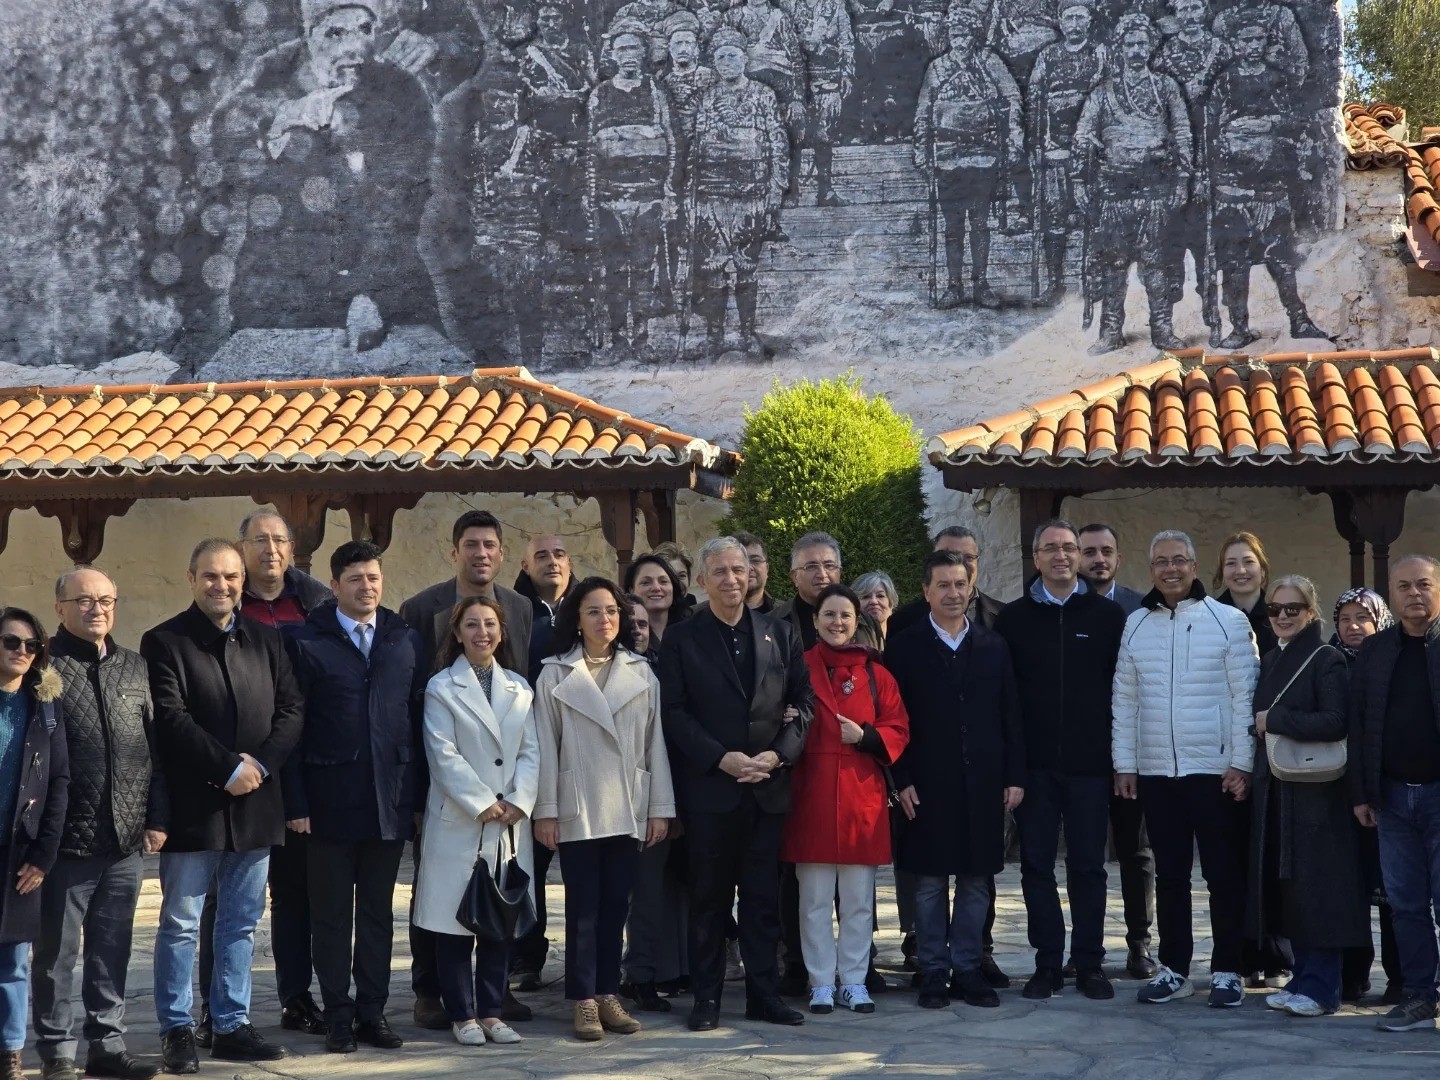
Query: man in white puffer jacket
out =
(1181, 744)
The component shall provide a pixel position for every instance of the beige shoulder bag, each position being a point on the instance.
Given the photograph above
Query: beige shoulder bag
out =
(1304, 762)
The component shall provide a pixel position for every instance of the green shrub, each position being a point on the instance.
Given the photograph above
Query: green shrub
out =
(826, 456)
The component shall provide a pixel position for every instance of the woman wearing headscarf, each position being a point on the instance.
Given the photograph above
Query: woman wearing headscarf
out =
(1360, 613)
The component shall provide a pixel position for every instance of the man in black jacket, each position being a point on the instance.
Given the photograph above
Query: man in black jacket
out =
(1063, 642)
(477, 550)
(227, 713)
(1394, 773)
(351, 785)
(117, 807)
(727, 676)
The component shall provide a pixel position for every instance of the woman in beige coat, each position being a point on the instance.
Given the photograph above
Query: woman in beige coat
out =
(484, 766)
(605, 789)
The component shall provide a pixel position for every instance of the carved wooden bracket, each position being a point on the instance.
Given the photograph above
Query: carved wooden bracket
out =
(1378, 516)
(6, 509)
(372, 517)
(82, 523)
(1342, 506)
(658, 509)
(617, 521)
(304, 512)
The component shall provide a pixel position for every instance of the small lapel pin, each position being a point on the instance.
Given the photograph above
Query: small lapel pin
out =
(767, 637)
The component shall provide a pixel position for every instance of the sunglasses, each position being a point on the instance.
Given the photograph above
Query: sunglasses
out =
(15, 643)
(1291, 611)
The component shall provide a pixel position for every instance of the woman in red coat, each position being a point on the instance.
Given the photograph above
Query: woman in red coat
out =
(838, 831)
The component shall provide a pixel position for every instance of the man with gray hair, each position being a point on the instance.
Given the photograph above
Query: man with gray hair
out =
(118, 808)
(815, 563)
(1181, 708)
(729, 678)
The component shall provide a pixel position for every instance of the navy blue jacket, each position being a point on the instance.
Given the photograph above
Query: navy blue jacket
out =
(360, 763)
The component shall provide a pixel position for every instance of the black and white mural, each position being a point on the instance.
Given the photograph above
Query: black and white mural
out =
(563, 182)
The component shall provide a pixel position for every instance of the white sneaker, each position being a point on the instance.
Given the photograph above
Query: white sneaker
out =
(470, 1033)
(1165, 986)
(856, 998)
(1278, 1001)
(822, 999)
(1300, 1005)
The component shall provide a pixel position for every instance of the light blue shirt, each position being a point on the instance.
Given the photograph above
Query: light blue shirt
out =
(348, 625)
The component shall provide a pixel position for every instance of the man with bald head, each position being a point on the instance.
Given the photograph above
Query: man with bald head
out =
(118, 807)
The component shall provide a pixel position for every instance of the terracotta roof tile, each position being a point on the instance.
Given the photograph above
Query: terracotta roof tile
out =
(1368, 133)
(1191, 408)
(492, 418)
(1376, 136)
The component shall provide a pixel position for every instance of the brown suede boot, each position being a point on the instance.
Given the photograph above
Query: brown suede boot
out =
(613, 1016)
(12, 1069)
(587, 1022)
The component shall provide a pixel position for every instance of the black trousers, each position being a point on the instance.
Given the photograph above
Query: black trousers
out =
(1137, 869)
(530, 951)
(1181, 813)
(470, 995)
(599, 875)
(739, 849)
(352, 887)
(1082, 805)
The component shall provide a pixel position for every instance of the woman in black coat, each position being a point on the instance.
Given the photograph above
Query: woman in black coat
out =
(1305, 882)
(34, 790)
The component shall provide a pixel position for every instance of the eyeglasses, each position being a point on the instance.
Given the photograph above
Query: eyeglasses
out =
(1179, 562)
(1291, 611)
(269, 541)
(90, 603)
(815, 567)
(1059, 549)
(758, 560)
(14, 643)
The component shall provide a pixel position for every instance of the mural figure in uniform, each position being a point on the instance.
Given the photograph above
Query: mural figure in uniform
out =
(1253, 219)
(334, 202)
(737, 173)
(827, 40)
(1064, 75)
(633, 165)
(1138, 163)
(1194, 58)
(968, 134)
(651, 15)
(774, 58)
(1285, 50)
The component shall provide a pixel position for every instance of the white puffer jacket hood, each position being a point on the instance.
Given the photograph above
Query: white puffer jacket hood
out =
(1183, 688)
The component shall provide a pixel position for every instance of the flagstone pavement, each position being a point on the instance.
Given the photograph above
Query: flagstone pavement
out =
(1065, 1037)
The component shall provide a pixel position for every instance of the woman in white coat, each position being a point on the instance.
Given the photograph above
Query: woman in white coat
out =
(484, 767)
(605, 791)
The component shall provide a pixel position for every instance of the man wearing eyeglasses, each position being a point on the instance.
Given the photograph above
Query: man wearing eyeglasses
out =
(1180, 743)
(814, 564)
(983, 609)
(118, 807)
(1063, 640)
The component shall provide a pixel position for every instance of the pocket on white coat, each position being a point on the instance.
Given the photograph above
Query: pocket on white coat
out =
(642, 795)
(567, 796)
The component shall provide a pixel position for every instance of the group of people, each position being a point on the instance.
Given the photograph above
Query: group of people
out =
(674, 754)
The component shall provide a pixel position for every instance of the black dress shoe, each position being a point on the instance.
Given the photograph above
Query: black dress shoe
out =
(795, 982)
(1093, 983)
(378, 1033)
(875, 982)
(245, 1044)
(1044, 984)
(773, 1011)
(645, 996)
(512, 1011)
(59, 1069)
(526, 979)
(973, 988)
(993, 975)
(121, 1064)
(1139, 964)
(1354, 992)
(933, 993)
(705, 1016)
(340, 1039)
(430, 1014)
(302, 1014)
(1069, 971)
(204, 1032)
(177, 1051)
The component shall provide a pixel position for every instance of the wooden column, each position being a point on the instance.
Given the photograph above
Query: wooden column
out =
(1379, 517)
(658, 509)
(1342, 504)
(372, 517)
(1037, 506)
(6, 509)
(304, 512)
(617, 520)
(82, 523)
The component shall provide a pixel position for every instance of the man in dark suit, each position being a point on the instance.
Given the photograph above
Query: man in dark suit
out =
(227, 715)
(477, 549)
(1099, 562)
(727, 677)
(350, 787)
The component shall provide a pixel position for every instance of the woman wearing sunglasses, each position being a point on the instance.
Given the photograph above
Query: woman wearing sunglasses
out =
(1305, 886)
(34, 785)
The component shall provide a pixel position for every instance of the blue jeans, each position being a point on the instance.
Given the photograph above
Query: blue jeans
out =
(963, 925)
(1316, 974)
(14, 993)
(239, 877)
(1410, 864)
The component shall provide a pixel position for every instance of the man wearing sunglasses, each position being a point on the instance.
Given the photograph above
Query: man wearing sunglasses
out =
(118, 808)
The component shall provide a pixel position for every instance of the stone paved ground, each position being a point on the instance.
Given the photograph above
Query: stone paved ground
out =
(1065, 1037)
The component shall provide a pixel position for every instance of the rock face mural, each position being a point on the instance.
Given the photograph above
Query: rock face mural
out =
(289, 186)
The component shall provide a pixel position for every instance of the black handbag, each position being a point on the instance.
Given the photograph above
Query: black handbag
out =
(497, 907)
